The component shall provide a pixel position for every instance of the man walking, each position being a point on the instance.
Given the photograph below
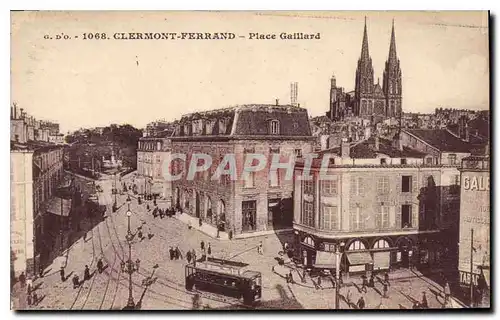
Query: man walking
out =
(364, 284)
(61, 273)
(361, 303)
(259, 249)
(100, 265)
(86, 273)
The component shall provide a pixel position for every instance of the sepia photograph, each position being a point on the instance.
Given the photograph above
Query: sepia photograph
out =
(250, 160)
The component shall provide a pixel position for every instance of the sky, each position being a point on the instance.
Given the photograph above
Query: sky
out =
(444, 60)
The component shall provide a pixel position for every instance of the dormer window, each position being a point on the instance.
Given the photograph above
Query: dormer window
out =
(275, 127)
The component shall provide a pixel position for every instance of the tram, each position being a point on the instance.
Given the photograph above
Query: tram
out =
(229, 278)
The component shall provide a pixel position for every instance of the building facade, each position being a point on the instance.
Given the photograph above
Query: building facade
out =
(153, 160)
(258, 202)
(36, 172)
(475, 212)
(379, 207)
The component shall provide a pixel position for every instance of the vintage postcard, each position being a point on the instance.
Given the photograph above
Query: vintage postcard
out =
(249, 160)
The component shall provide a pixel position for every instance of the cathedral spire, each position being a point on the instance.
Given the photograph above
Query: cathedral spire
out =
(392, 48)
(365, 54)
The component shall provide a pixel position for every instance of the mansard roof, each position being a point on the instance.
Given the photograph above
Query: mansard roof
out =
(253, 120)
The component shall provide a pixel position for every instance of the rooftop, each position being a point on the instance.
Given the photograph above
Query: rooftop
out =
(442, 140)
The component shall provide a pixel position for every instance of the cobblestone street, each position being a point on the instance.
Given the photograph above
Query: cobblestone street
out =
(109, 289)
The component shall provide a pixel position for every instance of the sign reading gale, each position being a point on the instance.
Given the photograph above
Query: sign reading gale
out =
(474, 215)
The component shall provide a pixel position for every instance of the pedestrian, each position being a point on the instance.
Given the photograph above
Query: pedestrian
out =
(447, 292)
(29, 285)
(202, 245)
(161, 213)
(178, 253)
(61, 272)
(200, 221)
(319, 282)
(76, 282)
(204, 255)
(171, 251)
(386, 279)
(385, 290)
(99, 265)
(259, 248)
(147, 207)
(29, 299)
(371, 282)
(361, 303)
(290, 276)
(40, 273)
(209, 250)
(188, 256)
(365, 282)
(22, 279)
(341, 279)
(194, 257)
(189, 225)
(86, 273)
(154, 214)
(141, 236)
(35, 299)
(348, 297)
(424, 304)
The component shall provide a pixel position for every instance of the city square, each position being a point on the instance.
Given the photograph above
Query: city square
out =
(188, 186)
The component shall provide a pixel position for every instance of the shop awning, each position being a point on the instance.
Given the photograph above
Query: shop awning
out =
(325, 260)
(54, 206)
(486, 273)
(357, 258)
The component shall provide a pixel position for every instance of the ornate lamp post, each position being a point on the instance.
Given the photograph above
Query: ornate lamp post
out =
(129, 266)
(338, 256)
(337, 278)
(128, 202)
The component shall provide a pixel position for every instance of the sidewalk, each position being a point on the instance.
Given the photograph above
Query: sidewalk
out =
(205, 227)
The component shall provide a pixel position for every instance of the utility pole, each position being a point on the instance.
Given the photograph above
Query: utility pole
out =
(471, 268)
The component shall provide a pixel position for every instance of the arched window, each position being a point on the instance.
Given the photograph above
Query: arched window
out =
(356, 245)
(275, 127)
(309, 241)
(381, 244)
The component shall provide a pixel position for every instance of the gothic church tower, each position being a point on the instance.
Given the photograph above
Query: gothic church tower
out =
(364, 77)
(392, 86)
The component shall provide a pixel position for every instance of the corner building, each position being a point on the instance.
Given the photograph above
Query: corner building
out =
(380, 208)
(259, 203)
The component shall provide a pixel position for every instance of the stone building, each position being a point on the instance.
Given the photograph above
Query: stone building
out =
(36, 172)
(379, 206)
(153, 160)
(261, 201)
(370, 99)
(475, 241)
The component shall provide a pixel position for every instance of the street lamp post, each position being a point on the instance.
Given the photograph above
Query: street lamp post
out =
(337, 278)
(471, 268)
(129, 267)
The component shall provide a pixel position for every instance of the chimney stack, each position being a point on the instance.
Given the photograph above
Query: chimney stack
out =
(345, 148)
(277, 102)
